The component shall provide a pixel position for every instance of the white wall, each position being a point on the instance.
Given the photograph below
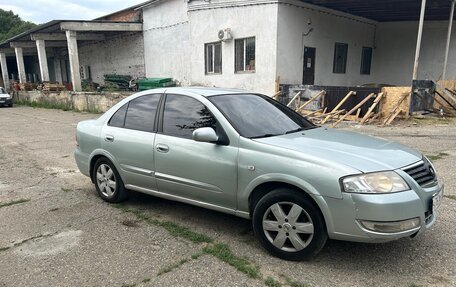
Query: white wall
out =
(328, 28)
(259, 21)
(395, 53)
(122, 54)
(166, 40)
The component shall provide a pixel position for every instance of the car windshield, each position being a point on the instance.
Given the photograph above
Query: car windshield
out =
(2, 91)
(255, 116)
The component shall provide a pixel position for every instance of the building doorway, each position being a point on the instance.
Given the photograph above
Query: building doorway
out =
(308, 77)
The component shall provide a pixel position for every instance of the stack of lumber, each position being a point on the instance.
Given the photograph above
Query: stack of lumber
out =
(28, 86)
(385, 108)
(445, 96)
(53, 87)
(390, 104)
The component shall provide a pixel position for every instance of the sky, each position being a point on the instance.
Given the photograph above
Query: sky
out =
(42, 11)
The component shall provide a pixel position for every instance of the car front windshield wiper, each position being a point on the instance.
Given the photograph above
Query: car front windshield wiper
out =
(295, 130)
(301, 129)
(265, 136)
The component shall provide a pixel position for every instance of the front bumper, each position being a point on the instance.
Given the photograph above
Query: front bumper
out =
(391, 210)
(6, 102)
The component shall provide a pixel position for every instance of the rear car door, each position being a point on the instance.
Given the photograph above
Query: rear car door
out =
(129, 137)
(200, 171)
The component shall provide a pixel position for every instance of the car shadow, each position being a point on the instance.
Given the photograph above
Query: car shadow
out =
(229, 228)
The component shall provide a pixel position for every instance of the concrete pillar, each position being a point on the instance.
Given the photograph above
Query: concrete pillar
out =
(20, 64)
(447, 49)
(42, 58)
(418, 40)
(74, 60)
(58, 70)
(4, 71)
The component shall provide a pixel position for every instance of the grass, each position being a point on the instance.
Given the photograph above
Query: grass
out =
(271, 282)
(196, 255)
(65, 189)
(171, 267)
(224, 253)
(146, 280)
(438, 156)
(173, 228)
(220, 251)
(19, 201)
(44, 105)
(54, 106)
(290, 282)
(450, 196)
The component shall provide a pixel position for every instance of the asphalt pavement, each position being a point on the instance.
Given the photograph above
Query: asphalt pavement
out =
(55, 231)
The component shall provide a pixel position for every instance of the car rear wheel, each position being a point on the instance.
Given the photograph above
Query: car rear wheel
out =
(108, 183)
(289, 225)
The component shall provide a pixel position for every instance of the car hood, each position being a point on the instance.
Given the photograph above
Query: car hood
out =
(362, 152)
(4, 96)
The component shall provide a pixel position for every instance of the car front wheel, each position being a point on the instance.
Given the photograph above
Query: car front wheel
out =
(108, 183)
(289, 225)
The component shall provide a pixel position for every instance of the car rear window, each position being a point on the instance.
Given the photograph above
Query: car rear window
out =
(118, 119)
(141, 113)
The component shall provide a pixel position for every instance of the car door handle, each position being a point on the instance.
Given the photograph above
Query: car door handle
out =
(162, 148)
(109, 138)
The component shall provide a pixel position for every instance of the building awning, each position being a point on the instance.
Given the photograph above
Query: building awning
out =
(87, 30)
(388, 10)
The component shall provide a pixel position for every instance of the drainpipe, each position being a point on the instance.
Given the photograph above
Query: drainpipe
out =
(418, 41)
(450, 25)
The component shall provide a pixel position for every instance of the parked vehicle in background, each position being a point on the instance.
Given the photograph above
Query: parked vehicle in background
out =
(5, 98)
(248, 155)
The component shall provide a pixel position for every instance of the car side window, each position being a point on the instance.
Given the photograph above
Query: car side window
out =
(118, 119)
(184, 114)
(141, 113)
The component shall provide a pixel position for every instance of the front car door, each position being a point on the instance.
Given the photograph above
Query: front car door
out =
(129, 138)
(198, 171)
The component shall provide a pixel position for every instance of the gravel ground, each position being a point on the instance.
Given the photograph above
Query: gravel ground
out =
(64, 235)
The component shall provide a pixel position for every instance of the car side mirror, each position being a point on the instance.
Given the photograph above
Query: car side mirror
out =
(205, 135)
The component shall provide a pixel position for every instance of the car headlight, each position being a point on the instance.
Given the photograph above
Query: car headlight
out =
(378, 182)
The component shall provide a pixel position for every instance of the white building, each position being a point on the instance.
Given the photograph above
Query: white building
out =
(245, 44)
(295, 40)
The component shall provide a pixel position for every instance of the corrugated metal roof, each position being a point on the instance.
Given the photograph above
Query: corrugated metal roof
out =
(388, 10)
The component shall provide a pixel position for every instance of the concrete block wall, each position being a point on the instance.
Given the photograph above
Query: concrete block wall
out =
(93, 102)
(122, 54)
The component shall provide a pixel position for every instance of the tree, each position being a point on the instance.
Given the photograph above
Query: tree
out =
(12, 25)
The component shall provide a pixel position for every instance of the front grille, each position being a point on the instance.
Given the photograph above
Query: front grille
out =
(422, 172)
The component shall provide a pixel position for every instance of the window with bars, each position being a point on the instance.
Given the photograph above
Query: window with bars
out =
(244, 50)
(213, 58)
(366, 59)
(340, 58)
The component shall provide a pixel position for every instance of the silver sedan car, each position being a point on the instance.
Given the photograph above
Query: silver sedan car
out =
(248, 155)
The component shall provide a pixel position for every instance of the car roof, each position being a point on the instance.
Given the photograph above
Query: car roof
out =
(204, 91)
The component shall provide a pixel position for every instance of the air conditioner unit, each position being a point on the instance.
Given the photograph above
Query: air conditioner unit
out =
(225, 35)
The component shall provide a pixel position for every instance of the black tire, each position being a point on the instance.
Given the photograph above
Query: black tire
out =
(295, 231)
(115, 194)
